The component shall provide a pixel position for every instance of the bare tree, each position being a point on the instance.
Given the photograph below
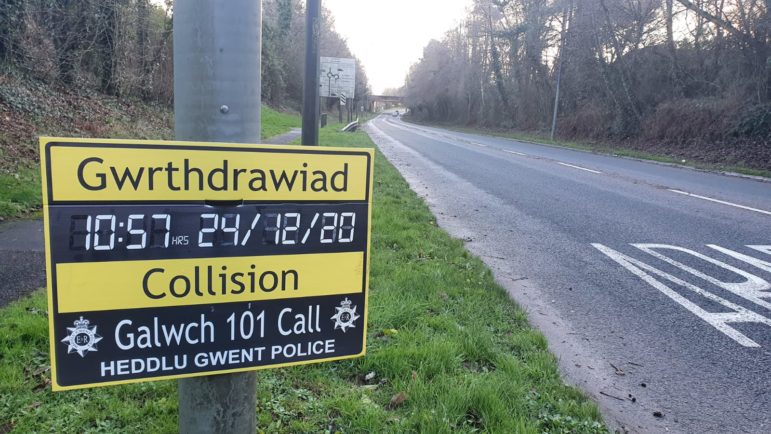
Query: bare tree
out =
(673, 72)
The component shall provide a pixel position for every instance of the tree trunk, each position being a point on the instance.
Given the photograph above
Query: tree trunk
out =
(764, 32)
(496, 61)
(64, 20)
(629, 97)
(143, 24)
(106, 46)
(671, 40)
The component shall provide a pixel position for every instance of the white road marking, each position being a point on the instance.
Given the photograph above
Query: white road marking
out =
(579, 167)
(415, 131)
(720, 321)
(515, 152)
(685, 193)
(763, 265)
(752, 288)
(762, 249)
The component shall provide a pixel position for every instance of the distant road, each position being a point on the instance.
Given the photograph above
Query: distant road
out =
(650, 281)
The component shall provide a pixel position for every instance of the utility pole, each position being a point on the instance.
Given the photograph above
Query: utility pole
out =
(310, 133)
(217, 48)
(556, 99)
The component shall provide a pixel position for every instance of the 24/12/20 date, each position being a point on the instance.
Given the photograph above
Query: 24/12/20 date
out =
(212, 228)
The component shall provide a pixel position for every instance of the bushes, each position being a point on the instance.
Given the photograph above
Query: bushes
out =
(589, 122)
(708, 119)
(753, 122)
(119, 47)
(684, 120)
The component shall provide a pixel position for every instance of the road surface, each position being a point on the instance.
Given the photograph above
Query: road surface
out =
(650, 281)
(22, 259)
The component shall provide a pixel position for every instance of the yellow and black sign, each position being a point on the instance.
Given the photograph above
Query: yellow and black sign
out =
(178, 259)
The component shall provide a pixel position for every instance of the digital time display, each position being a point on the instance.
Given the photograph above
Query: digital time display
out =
(120, 232)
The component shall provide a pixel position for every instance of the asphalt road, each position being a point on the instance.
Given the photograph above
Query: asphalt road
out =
(622, 264)
(22, 259)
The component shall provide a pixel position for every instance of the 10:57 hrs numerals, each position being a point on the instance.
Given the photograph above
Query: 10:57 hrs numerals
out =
(98, 232)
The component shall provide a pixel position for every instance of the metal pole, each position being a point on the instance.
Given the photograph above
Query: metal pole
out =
(556, 99)
(217, 48)
(310, 133)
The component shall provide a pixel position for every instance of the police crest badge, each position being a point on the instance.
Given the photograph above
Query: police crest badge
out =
(345, 315)
(82, 337)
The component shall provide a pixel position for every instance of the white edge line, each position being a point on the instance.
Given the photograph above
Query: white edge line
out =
(685, 193)
(580, 168)
(514, 152)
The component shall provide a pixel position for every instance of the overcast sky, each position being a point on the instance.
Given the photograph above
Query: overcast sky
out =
(388, 36)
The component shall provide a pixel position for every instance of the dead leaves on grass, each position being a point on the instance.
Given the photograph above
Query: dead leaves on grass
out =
(397, 400)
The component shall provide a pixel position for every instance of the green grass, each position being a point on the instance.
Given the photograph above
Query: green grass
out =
(20, 192)
(442, 334)
(604, 149)
(275, 122)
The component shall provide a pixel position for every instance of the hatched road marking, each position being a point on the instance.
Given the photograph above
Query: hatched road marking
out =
(751, 289)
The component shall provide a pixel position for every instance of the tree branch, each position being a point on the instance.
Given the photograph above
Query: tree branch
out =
(715, 19)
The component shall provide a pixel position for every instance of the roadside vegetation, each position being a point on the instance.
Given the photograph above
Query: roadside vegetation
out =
(674, 79)
(30, 108)
(448, 351)
(275, 122)
(20, 193)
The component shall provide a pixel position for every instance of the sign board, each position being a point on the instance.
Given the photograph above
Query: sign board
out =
(338, 76)
(179, 259)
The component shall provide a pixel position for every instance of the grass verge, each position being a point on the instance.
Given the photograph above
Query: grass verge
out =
(20, 192)
(604, 149)
(448, 351)
(275, 122)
